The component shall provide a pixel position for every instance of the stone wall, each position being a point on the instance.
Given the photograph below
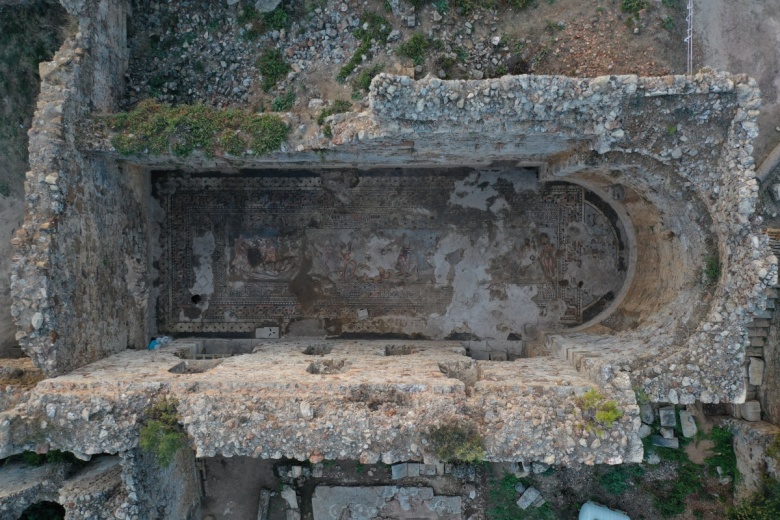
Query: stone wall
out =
(22, 485)
(679, 147)
(78, 281)
(156, 492)
(353, 402)
(94, 493)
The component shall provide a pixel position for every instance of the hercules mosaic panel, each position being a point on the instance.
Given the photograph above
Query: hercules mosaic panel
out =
(422, 253)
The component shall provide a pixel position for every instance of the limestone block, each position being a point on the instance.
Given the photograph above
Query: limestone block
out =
(529, 497)
(644, 431)
(756, 371)
(668, 416)
(646, 413)
(400, 471)
(661, 442)
(413, 469)
(688, 423)
(750, 411)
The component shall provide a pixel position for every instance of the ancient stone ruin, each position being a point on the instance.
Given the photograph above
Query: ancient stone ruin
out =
(477, 251)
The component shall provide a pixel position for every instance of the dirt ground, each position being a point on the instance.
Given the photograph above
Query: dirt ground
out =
(233, 489)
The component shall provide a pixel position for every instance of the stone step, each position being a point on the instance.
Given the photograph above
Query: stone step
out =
(757, 342)
(755, 350)
(762, 333)
(762, 315)
(770, 304)
(762, 323)
(771, 293)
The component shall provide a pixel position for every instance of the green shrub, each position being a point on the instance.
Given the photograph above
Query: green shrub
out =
(415, 48)
(377, 30)
(161, 434)
(711, 270)
(51, 457)
(363, 80)
(457, 442)
(667, 23)
(284, 102)
(272, 66)
(338, 107)
(633, 6)
(157, 129)
(596, 409)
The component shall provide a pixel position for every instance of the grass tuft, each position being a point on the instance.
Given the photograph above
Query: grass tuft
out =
(272, 66)
(159, 129)
(363, 80)
(597, 410)
(374, 30)
(338, 107)
(284, 102)
(415, 48)
(457, 442)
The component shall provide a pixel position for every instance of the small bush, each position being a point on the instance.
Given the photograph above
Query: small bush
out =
(457, 442)
(272, 66)
(157, 129)
(600, 412)
(338, 107)
(277, 19)
(633, 6)
(711, 270)
(161, 434)
(415, 48)
(284, 102)
(363, 80)
(667, 23)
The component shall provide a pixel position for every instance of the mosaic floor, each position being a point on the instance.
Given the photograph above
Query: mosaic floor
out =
(456, 253)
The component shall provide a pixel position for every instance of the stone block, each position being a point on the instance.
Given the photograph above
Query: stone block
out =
(520, 488)
(540, 467)
(440, 468)
(412, 469)
(667, 433)
(661, 442)
(428, 470)
(668, 416)
(750, 411)
(528, 498)
(688, 424)
(756, 371)
(399, 471)
(264, 504)
(644, 431)
(539, 502)
(646, 413)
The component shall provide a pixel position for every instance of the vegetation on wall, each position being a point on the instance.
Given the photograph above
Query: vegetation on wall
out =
(457, 442)
(598, 411)
(158, 129)
(161, 434)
